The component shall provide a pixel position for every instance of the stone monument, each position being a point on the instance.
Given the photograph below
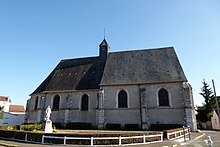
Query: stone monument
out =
(48, 123)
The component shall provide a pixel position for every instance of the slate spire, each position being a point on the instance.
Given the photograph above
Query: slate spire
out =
(103, 49)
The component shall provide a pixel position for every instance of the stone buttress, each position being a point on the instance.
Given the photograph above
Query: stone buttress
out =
(190, 118)
(100, 112)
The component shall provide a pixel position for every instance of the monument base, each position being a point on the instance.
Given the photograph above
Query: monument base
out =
(48, 126)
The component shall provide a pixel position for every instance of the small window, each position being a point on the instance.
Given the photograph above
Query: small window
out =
(122, 99)
(56, 102)
(36, 103)
(163, 97)
(85, 102)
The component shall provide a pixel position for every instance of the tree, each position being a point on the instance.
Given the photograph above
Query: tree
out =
(209, 104)
(2, 113)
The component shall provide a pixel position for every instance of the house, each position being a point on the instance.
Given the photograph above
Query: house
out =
(5, 102)
(136, 87)
(17, 109)
(13, 114)
(215, 119)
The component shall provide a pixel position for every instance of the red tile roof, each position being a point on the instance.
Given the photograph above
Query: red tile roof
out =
(5, 98)
(16, 108)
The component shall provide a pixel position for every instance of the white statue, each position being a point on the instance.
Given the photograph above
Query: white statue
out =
(48, 112)
(210, 142)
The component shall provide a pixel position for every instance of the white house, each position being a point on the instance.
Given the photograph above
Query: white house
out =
(215, 120)
(13, 114)
(5, 102)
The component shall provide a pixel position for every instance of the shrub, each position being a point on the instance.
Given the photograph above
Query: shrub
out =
(8, 127)
(132, 127)
(171, 131)
(161, 127)
(110, 126)
(79, 126)
(32, 127)
(58, 125)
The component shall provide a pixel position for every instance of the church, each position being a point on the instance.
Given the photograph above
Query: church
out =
(137, 88)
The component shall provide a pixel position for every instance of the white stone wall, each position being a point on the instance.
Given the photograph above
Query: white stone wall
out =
(69, 108)
(12, 119)
(149, 112)
(130, 115)
(174, 114)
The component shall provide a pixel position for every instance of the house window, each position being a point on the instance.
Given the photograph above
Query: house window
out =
(56, 102)
(163, 97)
(36, 103)
(122, 99)
(85, 102)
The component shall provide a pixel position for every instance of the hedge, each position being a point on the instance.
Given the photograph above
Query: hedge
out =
(31, 127)
(171, 131)
(37, 136)
(161, 127)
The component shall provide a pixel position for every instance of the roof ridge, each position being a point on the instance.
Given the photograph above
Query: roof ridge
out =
(150, 49)
(81, 58)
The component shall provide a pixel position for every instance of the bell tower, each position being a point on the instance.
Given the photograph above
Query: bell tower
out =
(103, 50)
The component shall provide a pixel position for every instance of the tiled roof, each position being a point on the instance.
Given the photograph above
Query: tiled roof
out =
(143, 67)
(127, 67)
(16, 108)
(5, 98)
(74, 74)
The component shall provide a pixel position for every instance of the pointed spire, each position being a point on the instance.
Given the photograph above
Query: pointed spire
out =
(104, 33)
(104, 42)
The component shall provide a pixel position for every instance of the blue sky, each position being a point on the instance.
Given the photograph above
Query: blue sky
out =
(36, 34)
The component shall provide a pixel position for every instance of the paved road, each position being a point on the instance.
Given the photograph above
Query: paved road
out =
(215, 136)
(201, 142)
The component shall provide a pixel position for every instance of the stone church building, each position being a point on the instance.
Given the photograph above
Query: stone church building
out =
(137, 87)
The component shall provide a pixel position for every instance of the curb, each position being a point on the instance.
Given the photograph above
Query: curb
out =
(175, 145)
(192, 140)
(8, 145)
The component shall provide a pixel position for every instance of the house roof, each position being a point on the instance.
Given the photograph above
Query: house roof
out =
(74, 74)
(127, 67)
(143, 66)
(16, 108)
(5, 99)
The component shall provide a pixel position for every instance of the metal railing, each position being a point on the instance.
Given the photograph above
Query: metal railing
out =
(106, 138)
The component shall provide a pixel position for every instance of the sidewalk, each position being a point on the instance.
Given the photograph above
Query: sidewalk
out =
(177, 142)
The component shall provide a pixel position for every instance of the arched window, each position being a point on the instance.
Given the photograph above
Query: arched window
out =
(163, 97)
(56, 102)
(122, 99)
(36, 103)
(85, 102)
